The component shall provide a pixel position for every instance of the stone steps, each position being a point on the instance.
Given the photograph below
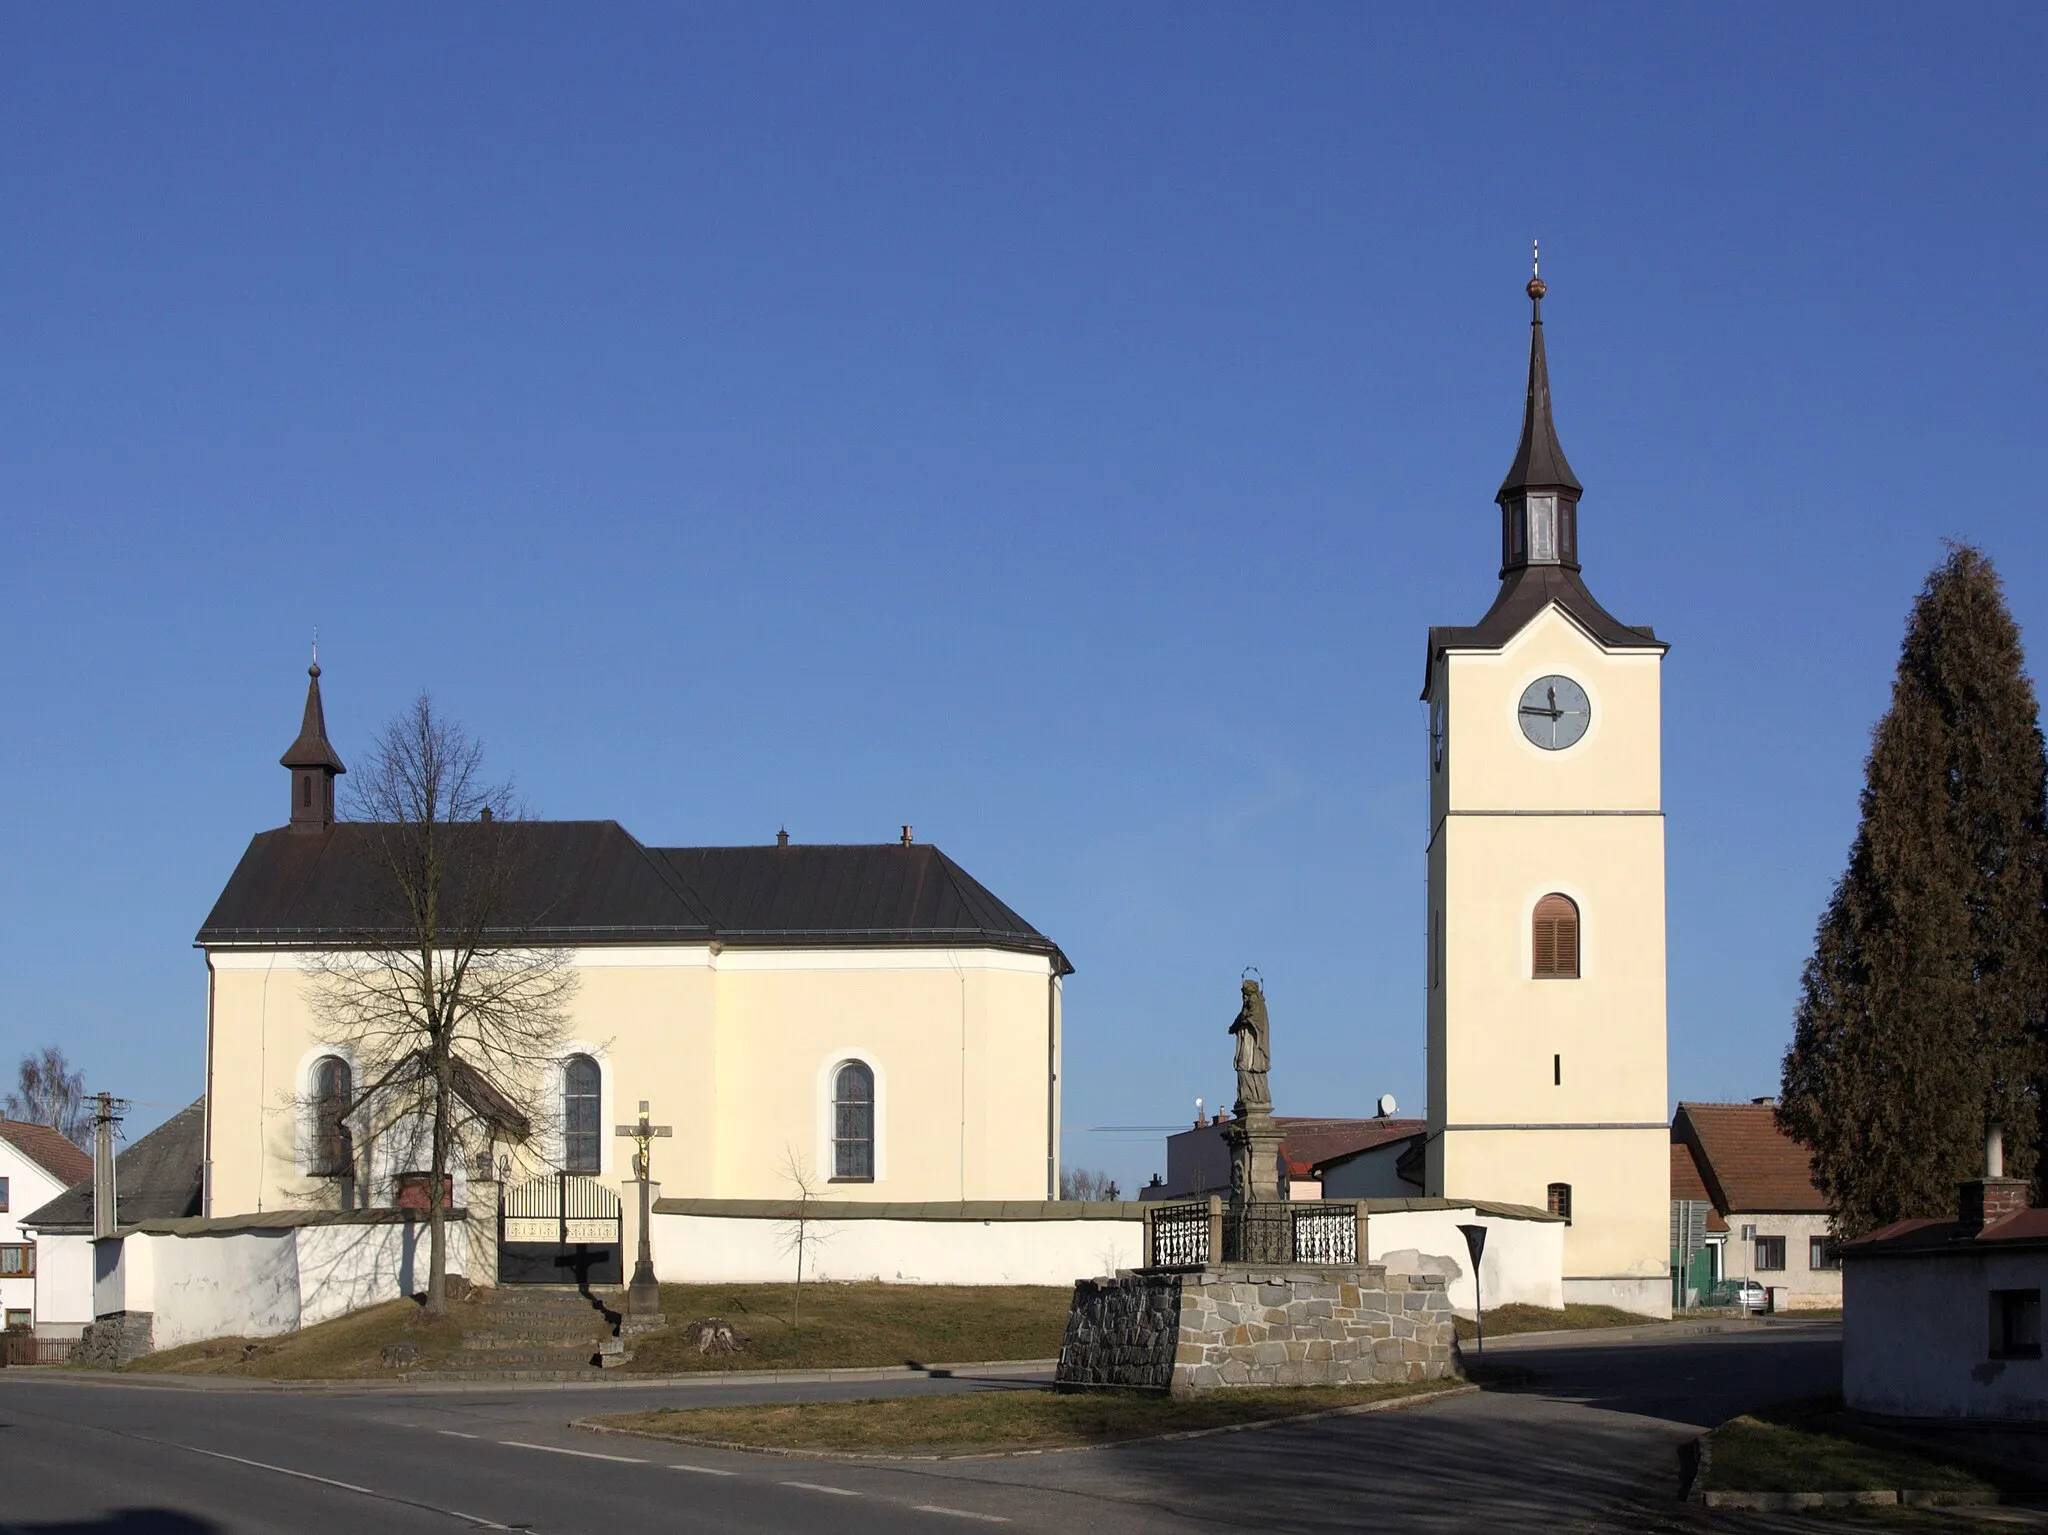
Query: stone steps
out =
(532, 1333)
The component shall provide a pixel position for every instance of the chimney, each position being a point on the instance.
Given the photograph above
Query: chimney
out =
(906, 836)
(1994, 1196)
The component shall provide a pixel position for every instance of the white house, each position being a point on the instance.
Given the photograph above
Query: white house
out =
(156, 1178)
(1942, 1319)
(36, 1165)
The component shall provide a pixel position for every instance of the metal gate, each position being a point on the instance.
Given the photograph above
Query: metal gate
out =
(560, 1229)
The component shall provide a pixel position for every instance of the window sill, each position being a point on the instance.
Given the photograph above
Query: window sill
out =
(849, 1180)
(2031, 1351)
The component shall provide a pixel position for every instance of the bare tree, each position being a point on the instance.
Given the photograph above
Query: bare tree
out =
(49, 1092)
(452, 1008)
(799, 1232)
(1080, 1183)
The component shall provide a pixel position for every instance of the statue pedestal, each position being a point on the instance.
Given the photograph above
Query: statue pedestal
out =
(1249, 1325)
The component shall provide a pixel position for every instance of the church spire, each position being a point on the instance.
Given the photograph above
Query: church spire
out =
(1539, 499)
(313, 762)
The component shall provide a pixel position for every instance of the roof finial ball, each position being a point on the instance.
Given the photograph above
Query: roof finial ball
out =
(1536, 288)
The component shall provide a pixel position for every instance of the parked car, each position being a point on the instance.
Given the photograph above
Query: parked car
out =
(1750, 1295)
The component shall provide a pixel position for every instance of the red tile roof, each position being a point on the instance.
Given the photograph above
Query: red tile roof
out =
(1686, 1183)
(1749, 1165)
(2028, 1226)
(1313, 1143)
(48, 1150)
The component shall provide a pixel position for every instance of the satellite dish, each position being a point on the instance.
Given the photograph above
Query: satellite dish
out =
(1387, 1105)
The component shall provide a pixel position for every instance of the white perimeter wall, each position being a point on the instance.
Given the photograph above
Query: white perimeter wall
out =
(258, 1283)
(721, 1249)
(63, 1283)
(1916, 1337)
(1524, 1259)
(1523, 1262)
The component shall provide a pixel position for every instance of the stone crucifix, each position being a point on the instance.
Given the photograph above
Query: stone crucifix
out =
(643, 1295)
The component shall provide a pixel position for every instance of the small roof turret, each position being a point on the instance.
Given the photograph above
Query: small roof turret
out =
(312, 749)
(1539, 463)
(313, 761)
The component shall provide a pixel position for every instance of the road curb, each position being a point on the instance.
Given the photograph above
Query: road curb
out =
(432, 1385)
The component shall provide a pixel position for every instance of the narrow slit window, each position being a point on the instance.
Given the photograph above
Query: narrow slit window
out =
(1557, 1071)
(333, 1094)
(582, 1110)
(853, 1123)
(1554, 939)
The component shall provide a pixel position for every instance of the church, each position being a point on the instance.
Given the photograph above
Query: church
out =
(1546, 1008)
(869, 1017)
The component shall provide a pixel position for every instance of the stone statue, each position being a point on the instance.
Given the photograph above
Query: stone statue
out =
(1254, 1033)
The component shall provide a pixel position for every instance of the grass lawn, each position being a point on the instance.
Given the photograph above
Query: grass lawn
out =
(844, 1325)
(1797, 1448)
(344, 1349)
(851, 1325)
(981, 1422)
(1503, 1320)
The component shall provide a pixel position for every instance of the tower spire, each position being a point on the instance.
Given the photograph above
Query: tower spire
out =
(1539, 498)
(313, 761)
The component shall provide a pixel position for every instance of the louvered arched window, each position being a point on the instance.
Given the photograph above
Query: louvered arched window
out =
(582, 1114)
(853, 1123)
(333, 1088)
(1555, 942)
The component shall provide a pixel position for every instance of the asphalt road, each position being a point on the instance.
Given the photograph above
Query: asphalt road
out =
(1589, 1444)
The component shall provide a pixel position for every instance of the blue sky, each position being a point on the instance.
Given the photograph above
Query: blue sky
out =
(1055, 427)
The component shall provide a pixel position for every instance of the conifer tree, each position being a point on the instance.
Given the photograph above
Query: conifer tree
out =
(1924, 1008)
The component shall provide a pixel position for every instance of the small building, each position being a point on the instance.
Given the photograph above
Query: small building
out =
(157, 1178)
(1313, 1151)
(1776, 1227)
(1942, 1319)
(36, 1165)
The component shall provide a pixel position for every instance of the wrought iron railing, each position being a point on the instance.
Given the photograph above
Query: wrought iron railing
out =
(1327, 1232)
(1177, 1236)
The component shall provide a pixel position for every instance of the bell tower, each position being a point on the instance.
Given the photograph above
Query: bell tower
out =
(1546, 893)
(313, 762)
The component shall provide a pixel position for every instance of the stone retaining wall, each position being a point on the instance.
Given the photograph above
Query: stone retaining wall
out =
(1267, 1325)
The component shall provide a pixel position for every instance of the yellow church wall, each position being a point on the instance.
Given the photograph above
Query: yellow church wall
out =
(1489, 764)
(1514, 1060)
(1507, 1029)
(734, 1050)
(1620, 1182)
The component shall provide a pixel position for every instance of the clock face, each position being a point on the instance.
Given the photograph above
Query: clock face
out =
(1554, 712)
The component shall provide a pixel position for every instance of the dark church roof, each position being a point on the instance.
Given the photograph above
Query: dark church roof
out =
(592, 882)
(312, 749)
(1526, 592)
(1529, 587)
(157, 1178)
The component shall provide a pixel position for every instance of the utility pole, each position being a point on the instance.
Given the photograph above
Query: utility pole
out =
(107, 1113)
(643, 1295)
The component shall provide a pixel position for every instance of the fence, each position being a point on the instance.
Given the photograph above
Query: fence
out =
(1330, 1232)
(27, 1348)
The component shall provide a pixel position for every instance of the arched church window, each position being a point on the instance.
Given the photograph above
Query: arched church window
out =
(333, 1155)
(1560, 1200)
(853, 1123)
(1555, 945)
(582, 1111)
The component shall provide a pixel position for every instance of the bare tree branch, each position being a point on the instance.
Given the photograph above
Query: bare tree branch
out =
(442, 983)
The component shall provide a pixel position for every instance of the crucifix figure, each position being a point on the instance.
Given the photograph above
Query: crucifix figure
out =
(643, 1295)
